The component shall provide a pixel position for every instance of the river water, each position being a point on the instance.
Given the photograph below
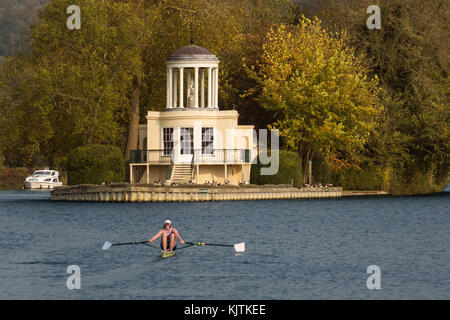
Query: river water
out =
(295, 249)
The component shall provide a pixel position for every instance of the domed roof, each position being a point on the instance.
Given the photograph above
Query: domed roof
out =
(192, 53)
(191, 49)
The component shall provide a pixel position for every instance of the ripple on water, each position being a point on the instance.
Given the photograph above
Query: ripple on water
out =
(299, 249)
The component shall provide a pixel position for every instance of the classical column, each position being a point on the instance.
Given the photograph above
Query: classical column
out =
(196, 88)
(209, 87)
(203, 89)
(216, 88)
(181, 87)
(188, 82)
(213, 97)
(175, 90)
(212, 88)
(169, 88)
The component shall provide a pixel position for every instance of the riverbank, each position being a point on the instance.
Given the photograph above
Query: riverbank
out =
(353, 193)
(123, 192)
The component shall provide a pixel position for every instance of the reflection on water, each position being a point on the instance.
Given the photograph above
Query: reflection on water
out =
(296, 249)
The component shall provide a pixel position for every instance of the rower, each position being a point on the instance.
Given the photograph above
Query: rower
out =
(168, 236)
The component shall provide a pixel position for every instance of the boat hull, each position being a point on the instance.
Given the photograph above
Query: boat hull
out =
(40, 185)
(167, 254)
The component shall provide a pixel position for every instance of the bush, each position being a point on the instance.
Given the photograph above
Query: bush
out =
(369, 177)
(94, 164)
(13, 178)
(290, 171)
(406, 181)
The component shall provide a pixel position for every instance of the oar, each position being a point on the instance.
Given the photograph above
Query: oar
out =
(108, 244)
(238, 247)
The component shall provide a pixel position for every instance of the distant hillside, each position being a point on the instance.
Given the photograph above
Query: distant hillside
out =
(17, 15)
(15, 18)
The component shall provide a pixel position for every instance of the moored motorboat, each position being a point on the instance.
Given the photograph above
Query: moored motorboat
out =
(42, 179)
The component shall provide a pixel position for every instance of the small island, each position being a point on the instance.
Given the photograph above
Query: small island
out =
(123, 192)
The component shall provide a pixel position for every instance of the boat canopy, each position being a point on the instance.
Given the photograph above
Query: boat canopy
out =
(45, 173)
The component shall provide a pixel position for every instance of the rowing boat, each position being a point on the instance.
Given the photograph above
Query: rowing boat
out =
(238, 247)
(168, 254)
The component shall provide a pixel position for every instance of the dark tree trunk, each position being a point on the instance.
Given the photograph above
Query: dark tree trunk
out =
(133, 125)
(306, 155)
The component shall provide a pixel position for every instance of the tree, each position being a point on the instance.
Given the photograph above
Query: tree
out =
(319, 89)
(95, 84)
(226, 28)
(233, 30)
(95, 164)
(410, 55)
(69, 87)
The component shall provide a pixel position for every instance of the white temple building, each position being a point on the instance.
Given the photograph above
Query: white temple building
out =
(192, 140)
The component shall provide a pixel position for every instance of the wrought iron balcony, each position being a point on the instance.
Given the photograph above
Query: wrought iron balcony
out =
(199, 156)
(162, 157)
(221, 156)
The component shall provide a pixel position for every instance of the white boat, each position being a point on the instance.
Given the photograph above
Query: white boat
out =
(43, 179)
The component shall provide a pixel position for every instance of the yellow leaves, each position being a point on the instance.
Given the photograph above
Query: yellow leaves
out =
(320, 88)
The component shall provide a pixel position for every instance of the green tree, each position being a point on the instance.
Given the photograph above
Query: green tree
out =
(410, 55)
(70, 87)
(95, 164)
(319, 89)
(231, 29)
(73, 87)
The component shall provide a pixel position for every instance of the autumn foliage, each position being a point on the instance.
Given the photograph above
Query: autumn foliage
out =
(319, 89)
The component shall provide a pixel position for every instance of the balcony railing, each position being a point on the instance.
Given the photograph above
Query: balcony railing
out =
(200, 156)
(162, 157)
(222, 156)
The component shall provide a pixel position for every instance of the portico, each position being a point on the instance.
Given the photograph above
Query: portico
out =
(198, 69)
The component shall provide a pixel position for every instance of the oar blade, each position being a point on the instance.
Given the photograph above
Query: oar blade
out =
(107, 245)
(239, 247)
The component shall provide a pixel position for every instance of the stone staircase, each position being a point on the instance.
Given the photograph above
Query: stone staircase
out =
(181, 174)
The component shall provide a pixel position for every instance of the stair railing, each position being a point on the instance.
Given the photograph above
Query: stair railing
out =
(170, 168)
(192, 166)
